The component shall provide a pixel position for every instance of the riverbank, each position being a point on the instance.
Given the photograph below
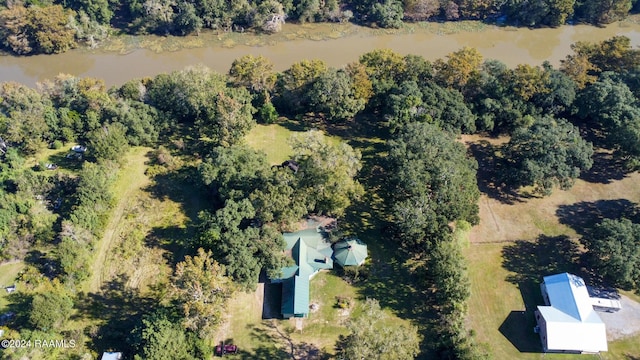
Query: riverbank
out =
(124, 57)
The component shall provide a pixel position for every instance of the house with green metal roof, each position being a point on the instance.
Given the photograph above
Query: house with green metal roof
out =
(311, 252)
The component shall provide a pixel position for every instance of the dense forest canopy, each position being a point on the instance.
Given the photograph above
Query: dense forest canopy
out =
(197, 120)
(54, 26)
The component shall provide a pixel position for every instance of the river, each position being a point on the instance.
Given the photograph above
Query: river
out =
(510, 45)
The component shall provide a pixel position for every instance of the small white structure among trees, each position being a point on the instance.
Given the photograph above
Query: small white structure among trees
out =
(569, 323)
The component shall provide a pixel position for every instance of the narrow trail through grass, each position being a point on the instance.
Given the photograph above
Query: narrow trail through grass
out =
(130, 179)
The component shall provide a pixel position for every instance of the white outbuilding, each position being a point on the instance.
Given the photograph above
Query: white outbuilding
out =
(569, 322)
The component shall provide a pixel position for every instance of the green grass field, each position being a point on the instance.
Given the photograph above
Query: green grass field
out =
(8, 274)
(273, 140)
(519, 242)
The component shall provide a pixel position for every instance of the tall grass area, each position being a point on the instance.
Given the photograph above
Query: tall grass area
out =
(150, 224)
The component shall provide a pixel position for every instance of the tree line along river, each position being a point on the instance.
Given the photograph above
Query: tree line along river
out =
(509, 45)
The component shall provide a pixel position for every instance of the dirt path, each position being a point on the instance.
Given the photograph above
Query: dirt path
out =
(131, 178)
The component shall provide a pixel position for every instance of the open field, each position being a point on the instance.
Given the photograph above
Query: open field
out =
(520, 240)
(130, 179)
(8, 273)
(273, 139)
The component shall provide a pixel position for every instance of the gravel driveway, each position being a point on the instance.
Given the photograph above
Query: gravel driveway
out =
(623, 323)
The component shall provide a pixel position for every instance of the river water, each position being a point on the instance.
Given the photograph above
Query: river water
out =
(510, 45)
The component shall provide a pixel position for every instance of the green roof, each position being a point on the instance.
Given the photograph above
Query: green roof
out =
(311, 252)
(350, 252)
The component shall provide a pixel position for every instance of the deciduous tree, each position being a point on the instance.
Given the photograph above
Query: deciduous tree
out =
(333, 94)
(108, 142)
(159, 335)
(434, 182)
(202, 289)
(549, 153)
(327, 172)
(460, 67)
(293, 85)
(372, 337)
(50, 309)
(614, 251)
(254, 73)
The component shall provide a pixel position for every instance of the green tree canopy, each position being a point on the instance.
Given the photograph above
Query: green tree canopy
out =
(26, 117)
(294, 84)
(37, 29)
(613, 111)
(199, 96)
(50, 309)
(253, 72)
(614, 252)
(108, 142)
(333, 94)
(372, 337)
(387, 14)
(434, 182)
(245, 250)
(461, 67)
(159, 335)
(201, 287)
(384, 67)
(549, 153)
(234, 172)
(327, 172)
(429, 103)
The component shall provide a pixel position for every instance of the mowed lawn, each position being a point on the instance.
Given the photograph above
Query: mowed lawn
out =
(8, 274)
(273, 140)
(520, 241)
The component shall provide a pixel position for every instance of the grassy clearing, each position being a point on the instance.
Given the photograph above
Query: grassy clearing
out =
(325, 325)
(273, 140)
(307, 338)
(130, 179)
(521, 240)
(151, 219)
(8, 274)
(145, 237)
(280, 338)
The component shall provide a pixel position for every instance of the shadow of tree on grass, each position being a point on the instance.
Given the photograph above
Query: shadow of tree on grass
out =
(275, 343)
(605, 169)
(530, 261)
(489, 176)
(119, 309)
(582, 216)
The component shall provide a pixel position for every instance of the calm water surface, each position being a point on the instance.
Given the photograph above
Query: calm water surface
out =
(512, 46)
